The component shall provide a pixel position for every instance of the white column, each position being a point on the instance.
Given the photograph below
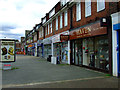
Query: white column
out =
(69, 52)
(115, 18)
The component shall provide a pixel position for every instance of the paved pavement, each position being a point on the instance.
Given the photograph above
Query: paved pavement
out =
(36, 72)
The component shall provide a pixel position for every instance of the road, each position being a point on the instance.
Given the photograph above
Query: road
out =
(36, 72)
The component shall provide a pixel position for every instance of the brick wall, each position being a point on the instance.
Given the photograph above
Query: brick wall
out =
(94, 14)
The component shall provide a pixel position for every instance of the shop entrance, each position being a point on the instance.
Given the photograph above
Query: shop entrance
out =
(118, 54)
(78, 52)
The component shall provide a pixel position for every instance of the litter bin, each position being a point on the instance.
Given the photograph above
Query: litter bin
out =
(49, 58)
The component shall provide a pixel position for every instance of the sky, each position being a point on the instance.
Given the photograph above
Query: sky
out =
(16, 16)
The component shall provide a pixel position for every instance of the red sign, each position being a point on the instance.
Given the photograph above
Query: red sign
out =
(7, 64)
(88, 31)
(64, 37)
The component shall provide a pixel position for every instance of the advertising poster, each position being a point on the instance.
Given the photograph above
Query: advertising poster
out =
(7, 51)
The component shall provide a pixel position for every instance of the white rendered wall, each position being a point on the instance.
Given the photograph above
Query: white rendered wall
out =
(115, 20)
(68, 52)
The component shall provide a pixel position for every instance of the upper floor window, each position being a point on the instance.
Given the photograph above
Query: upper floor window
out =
(38, 27)
(65, 18)
(45, 30)
(52, 13)
(56, 23)
(87, 8)
(60, 20)
(100, 5)
(40, 34)
(63, 2)
(35, 37)
(78, 11)
(48, 28)
(44, 20)
(51, 27)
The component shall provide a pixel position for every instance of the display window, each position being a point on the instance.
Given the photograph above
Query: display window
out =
(61, 52)
(47, 50)
(40, 51)
(101, 53)
(64, 52)
(57, 51)
(91, 52)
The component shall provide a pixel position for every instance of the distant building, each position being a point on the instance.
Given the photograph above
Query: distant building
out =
(18, 46)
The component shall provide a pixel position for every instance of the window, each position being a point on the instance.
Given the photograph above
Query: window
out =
(51, 27)
(56, 23)
(65, 18)
(48, 28)
(44, 20)
(78, 11)
(100, 5)
(42, 33)
(52, 13)
(61, 21)
(39, 34)
(87, 8)
(63, 2)
(35, 37)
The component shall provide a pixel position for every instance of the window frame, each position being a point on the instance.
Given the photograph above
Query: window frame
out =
(78, 11)
(88, 4)
(61, 17)
(56, 23)
(65, 18)
(99, 7)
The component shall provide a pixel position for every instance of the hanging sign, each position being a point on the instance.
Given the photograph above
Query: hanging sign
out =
(64, 37)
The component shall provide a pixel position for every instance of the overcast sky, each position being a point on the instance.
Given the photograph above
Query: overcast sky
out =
(16, 16)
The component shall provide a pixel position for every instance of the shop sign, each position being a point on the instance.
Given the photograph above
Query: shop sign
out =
(88, 31)
(57, 38)
(64, 37)
(30, 45)
(47, 41)
(7, 51)
(116, 26)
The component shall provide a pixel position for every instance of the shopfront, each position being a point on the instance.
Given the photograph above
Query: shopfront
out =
(47, 47)
(61, 49)
(29, 51)
(89, 47)
(40, 48)
(116, 43)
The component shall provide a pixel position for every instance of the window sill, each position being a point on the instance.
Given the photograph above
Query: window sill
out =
(100, 10)
(78, 20)
(88, 16)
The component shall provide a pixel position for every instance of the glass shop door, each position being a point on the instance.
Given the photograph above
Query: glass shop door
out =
(78, 52)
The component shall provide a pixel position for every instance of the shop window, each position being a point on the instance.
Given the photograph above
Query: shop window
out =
(96, 52)
(87, 8)
(47, 50)
(88, 52)
(102, 53)
(64, 52)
